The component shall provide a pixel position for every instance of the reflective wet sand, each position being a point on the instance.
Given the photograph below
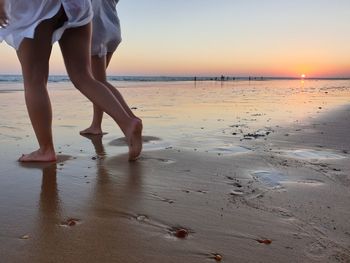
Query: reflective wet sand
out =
(250, 171)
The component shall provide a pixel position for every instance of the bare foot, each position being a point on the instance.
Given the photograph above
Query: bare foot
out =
(134, 137)
(39, 156)
(92, 131)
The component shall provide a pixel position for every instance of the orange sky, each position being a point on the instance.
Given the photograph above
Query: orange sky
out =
(238, 38)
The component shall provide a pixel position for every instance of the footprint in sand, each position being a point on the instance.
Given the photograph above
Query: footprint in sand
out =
(309, 154)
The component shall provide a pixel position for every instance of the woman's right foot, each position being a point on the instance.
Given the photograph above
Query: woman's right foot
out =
(39, 156)
(92, 131)
(134, 138)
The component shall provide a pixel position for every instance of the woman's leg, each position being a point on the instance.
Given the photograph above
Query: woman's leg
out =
(116, 93)
(99, 66)
(75, 46)
(34, 55)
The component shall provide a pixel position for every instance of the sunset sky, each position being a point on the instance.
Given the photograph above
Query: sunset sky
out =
(230, 37)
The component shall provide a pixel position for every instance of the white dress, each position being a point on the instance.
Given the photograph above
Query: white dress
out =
(26, 15)
(106, 33)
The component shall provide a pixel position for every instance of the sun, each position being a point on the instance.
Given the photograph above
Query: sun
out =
(303, 76)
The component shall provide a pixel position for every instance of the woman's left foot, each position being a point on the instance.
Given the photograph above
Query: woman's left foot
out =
(39, 156)
(92, 131)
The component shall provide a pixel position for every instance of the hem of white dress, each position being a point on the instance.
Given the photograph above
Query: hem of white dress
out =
(103, 50)
(31, 33)
(60, 31)
(56, 36)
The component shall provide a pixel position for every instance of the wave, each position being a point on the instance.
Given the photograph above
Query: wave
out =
(19, 78)
(64, 78)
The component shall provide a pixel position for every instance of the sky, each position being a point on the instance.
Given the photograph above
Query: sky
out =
(230, 37)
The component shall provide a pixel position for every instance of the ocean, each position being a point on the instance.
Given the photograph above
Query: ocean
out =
(65, 78)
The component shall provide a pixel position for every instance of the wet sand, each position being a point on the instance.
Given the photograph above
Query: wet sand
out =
(237, 171)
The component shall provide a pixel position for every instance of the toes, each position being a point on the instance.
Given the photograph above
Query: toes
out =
(22, 158)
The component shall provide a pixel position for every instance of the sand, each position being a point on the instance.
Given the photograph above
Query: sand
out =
(247, 171)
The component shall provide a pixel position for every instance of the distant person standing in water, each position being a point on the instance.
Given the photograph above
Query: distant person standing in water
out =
(106, 37)
(31, 27)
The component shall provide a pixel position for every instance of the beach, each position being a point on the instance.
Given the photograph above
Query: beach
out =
(233, 171)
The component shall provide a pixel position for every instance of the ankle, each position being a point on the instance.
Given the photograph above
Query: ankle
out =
(47, 149)
(95, 126)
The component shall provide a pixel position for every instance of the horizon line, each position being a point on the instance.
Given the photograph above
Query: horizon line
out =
(232, 76)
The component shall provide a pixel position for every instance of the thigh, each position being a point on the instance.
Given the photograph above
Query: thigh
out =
(34, 54)
(75, 46)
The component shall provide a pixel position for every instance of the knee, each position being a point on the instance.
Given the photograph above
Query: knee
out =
(100, 78)
(104, 82)
(35, 81)
(80, 78)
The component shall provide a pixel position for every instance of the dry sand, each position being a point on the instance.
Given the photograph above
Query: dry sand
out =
(254, 172)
